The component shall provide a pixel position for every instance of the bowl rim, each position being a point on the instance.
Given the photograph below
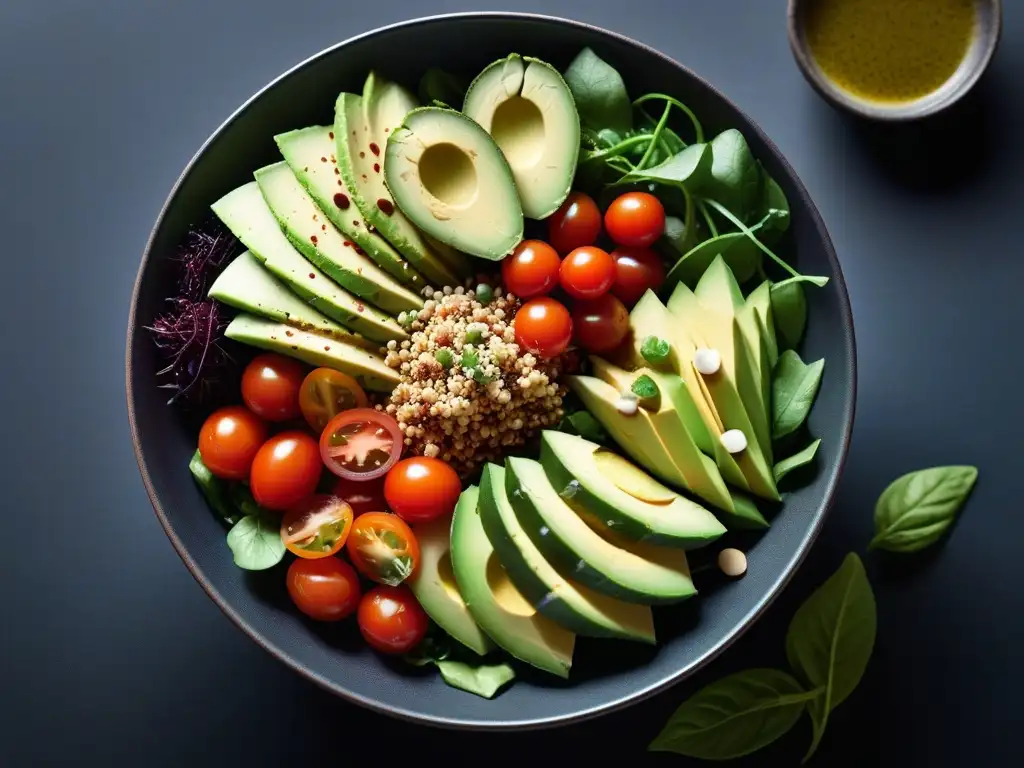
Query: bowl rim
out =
(622, 701)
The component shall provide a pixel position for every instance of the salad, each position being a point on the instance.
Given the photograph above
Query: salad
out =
(516, 348)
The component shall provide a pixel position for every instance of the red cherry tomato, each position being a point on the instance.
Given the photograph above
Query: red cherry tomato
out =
(383, 548)
(636, 270)
(325, 393)
(325, 590)
(601, 324)
(366, 496)
(587, 272)
(285, 471)
(361, 444)
(530, 270)
(543, 327)
(575, 224)
(635, 219)
(271, 384)
(316, 527)
(422, 489)
(229, 440)
(391, 620)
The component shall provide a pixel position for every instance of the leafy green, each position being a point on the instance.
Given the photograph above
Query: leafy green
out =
(483, 680)
(445, 357)
(644, 387)
(655, 350)
(789, 311)
(242, 498)
(794, 387)
(735, 716)
(588, 427)
(214, 490)
(735, 179)
(830, 640)
(773, 199)
(698, 130)
(687, 169)
(255, 542)
(799, 459)
(599, 92)
(919, 507)
(439, 85)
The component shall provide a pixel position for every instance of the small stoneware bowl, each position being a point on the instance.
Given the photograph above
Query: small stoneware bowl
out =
(988, 28)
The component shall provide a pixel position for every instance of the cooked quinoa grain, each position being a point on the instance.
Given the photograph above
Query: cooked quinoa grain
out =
(466, 395)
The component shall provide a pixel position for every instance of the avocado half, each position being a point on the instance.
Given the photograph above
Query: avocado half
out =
(450, 179)
(529, 110)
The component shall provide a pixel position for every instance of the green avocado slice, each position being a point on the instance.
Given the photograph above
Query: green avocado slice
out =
(574, 606)
(605, 562)
(434, 585)
(494, 602)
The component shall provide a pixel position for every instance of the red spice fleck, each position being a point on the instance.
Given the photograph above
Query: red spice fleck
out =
(340, 184)
(386, 206)
(288, 333)
(315, 217)
(361, 252)
(334, 159)
(312, 275)
(375, 149)
(313, 239)
(360, 307)
(273, 338)
(387, 130)
(341, 200)
(337, 171)
(323, 227)
(355, 222)
(362, 154)
(323, 159)
(347, 243)
(365, 176)
(376, 167)
(327, 348)
(331, 134)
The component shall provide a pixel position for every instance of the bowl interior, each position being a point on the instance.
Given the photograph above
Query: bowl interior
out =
(689, 635)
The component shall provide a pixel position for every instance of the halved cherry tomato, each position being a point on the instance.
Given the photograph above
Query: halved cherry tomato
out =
(587, 272)
(361, 444)
(600, 324)
(325, 393)
(383, 548)
(635, 219)
(270, 386)
(636, 270)
(530, 270)
(317, 527)
(363, 497)
(575, 224)
(391, 620)
(229, 441)
(421, 489)
(543, 327)
(325, 590)
(286, 470)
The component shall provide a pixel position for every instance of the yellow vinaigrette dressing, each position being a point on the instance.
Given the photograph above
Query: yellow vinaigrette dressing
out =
(889, 50)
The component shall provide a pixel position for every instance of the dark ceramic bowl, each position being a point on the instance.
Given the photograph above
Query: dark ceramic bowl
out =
(605, 675)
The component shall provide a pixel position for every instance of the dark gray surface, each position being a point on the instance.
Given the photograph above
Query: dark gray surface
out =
(111, 650)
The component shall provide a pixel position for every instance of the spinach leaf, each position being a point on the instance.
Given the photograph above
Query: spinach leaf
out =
(830, 640)
(483, 680)
(438, 85)
(773, 199)
(797, 460)
(789, 311)
(794, 387)
(687, 169)
(735, 179)
(599, 92)
(214, 490)
(918, 508)
(735, 716)
(243, 499)
(255, 542)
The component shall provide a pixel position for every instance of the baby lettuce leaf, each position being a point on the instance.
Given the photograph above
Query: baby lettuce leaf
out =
(797, 460)
(255, 542)
(600, 94)
(830, 640)
(483, 680)
(794, 387)
(214, 490)
(688, 169)
(919, 507)
(735, 716)
(735, 179)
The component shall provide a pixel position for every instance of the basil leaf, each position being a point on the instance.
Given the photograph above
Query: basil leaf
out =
(735, 716)
(599, 92)
(794, 387)
(483, 680)
(438, 85)
(830, 639)
(214, 490)
(797, 460)
(256, 544)
(735, 179)
(918, 508)
(688, 169)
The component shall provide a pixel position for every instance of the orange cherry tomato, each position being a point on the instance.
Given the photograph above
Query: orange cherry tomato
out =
(286, 470)
(391, 620)
(636, 270)
(587, 272)
(317, 527)
(530, 270)
(229, 441)
(421, 489)
(383, 548)
(325, 590)
(600, 324)
(575, 224)
(635, 219)
(361, 444)
(325, 393)
(270, 386)
(543, 327)
(362, 496)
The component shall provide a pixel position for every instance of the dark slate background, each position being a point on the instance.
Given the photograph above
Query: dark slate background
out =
(113, 655)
